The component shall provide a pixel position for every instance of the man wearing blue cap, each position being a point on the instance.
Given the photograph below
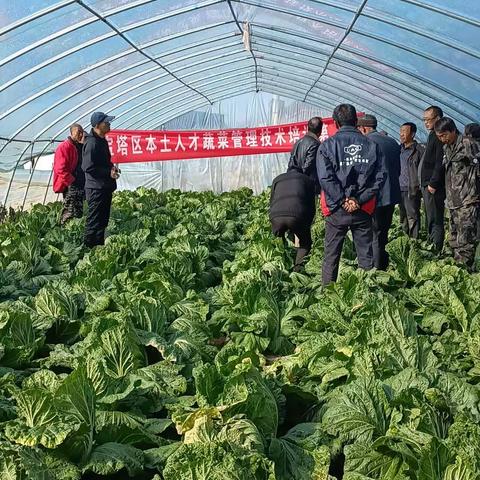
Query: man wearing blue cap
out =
(100, 179)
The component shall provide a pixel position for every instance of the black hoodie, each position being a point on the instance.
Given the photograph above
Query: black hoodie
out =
(97, 164)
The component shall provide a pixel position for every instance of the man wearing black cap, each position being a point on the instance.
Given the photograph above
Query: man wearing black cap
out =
(100, 179)
(389, 194)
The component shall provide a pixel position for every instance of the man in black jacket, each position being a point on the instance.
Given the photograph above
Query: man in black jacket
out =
(432, 180)
(304, 152)
(100, 179)
(389, 194)
(351, 172)
(292, 209)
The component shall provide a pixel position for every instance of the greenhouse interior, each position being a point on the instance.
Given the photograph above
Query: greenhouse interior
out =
(239, 240)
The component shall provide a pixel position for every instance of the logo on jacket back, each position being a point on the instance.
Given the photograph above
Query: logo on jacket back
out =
(353, 156)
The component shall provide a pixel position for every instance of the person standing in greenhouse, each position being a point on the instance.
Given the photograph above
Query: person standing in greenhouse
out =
(432, 180)
(100, 179)
(461, 161)
(389, 194)
(68, 176)
(410, 156)
(351, 173)
(304, 152)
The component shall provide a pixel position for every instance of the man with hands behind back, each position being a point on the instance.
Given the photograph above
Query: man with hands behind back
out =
(350, 172)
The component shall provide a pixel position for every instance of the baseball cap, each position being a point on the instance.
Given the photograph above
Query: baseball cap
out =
(99, 117)
(367, 121)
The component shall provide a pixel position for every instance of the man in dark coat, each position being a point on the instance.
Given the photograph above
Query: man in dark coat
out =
(100, 179)
(461, 162)
(432, 180)
(350, 173)
(304, 152)
(292, 210)
(389, 194)
(410, 155)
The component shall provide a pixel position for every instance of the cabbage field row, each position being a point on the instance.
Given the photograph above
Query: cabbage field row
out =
(185, 349)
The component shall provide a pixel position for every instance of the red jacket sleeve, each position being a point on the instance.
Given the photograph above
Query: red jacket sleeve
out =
(64, 163)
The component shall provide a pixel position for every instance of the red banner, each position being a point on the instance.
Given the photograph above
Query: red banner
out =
(158, 145)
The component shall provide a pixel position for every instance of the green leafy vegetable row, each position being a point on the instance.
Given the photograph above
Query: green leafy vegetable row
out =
(185, 349)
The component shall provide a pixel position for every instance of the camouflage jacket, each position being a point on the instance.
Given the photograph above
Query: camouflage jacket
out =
(462, 174)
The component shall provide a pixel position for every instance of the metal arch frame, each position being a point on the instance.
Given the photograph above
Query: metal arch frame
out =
(91, 42)
(222, 80)
(344, 71)
(34, 16)
(370, 57)
(77, 106)
(327, 87)
(143, 92)
(380, 38)
(356, 87)
(178, 96)
(9, 186)
(207, 3)
(326, 93)
(114, 73)
(355, 52)
(225, 76)
(177, 11)
(162, 116)
(370, 13)
(97, 40)
(146, 101)
(298, 95)
(139, 50)
(297, 46)
(229, 3)
(119, 56)
(448, 13)
(337, 47)
(377, 15)
(109, 13)
(32, 173)
(397, 83)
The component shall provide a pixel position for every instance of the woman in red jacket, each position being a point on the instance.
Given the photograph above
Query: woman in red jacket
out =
(68, 176)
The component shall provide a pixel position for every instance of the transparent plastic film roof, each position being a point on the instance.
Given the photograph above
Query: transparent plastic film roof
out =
(147, 62)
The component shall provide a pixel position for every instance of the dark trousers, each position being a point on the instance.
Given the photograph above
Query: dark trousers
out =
(336, 227)
(99, 203)
(298, 227)
(382, 221)
(435, 213)
(73, 199)
(410, 214)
